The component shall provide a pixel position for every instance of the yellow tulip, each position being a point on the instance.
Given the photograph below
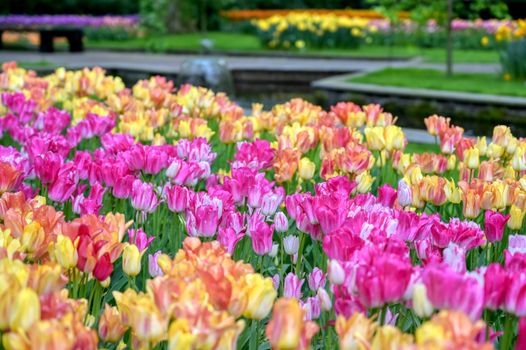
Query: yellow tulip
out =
(306, 168)
(471, 158)
(180, 335)
(260, 296)
(375, 138)
(131, 260)
(25, 310)
(364, 181)
(516, 217)
(65, 252)
(390, 338)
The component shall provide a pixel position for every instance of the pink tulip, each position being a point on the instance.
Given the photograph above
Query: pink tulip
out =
(312, 308)
(228, 238)
(455, 257)
(281, 223)
(155, 160)
(447, 289)
(341, 244)
(292, 286)
(386, 195)
(143, 197)
(123, 186)
(65, 183)
(517, 244)
(176, 198)
(206, 220)
(515, 301)
(494, 224)
(255, 155)
(340, 184)
(496, 282)
(47, 166)
(316, 279)
(275, 281)
(381, 277)
(139, 238)
(261, 235)
(153, 266)
(521, 339)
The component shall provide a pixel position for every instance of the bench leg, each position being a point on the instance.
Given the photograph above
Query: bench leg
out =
(46, 42)
(75, 42)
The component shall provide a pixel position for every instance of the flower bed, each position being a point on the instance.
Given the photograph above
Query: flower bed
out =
(331, 29)
(161, 217)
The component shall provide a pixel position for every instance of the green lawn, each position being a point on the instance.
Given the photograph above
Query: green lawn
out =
(421, 148)
(238, 42)
(437, 80)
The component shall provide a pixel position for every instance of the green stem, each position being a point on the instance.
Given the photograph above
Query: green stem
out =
(507, 337)
(383, 313)
(300, 252)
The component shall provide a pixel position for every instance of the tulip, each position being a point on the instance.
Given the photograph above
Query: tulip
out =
(25, 311)
(139, 238)
(306, 169)
(103, 267)
(180, 336)
(521, 339)
(65, 252)
(143, 197)
(153, 266)
(281, 223)
(404, 194)
(260, 296)
(292, 286)
(364, 181)
(336, 273)
(176, 198)
(262, 238)
(316, 279)
(514, 301)
(375, 138)
(325, 299)
(356, 332)
(386, 195)
(111, 328)
(312, 308)
(494, 223)
(291, 244)
(496, 284)
(471, 158)
(390, 337)
(131, 260)
(287, 328)
(229, 238)
(65, 184)
(421, 304)
(516, 217)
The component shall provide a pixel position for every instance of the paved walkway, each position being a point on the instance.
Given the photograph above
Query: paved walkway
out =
(170, 63)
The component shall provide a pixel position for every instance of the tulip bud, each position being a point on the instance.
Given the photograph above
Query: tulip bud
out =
(274, 251)
(65, 252)
(325, 299)
(316, 279)
(375, 138)
(25, 311)
(516, 218)
(131, 260)
(336, 273)
(291, 244)
(471, 158)
(281, 223)
(364, 181)
(482, 145)
(306, 168)
(421, 304)
(106, 282)
(451, 162)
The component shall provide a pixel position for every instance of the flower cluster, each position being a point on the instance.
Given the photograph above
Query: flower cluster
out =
(153, 216)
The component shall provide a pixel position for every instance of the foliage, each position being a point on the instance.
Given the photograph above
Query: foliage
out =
(513, 59)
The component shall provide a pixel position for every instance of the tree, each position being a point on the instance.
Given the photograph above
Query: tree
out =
(443, 12)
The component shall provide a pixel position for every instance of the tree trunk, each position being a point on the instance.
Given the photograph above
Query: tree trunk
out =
(449, 44)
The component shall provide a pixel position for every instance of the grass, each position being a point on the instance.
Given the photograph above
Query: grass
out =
(239, 42)
(437, 80)
(413, 147)
(33, 64)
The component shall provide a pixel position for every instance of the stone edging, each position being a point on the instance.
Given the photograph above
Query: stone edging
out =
(340, 84)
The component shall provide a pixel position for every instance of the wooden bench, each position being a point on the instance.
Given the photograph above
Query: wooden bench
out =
(47, 34)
